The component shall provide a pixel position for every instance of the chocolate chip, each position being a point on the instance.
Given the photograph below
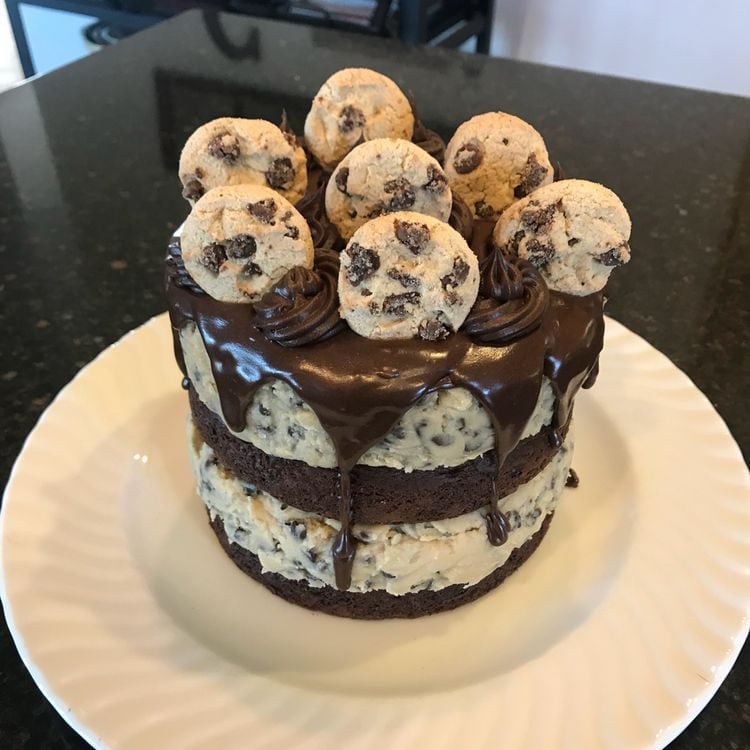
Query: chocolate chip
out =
(433, 330)
(241, 246)
(406, 280)
(377, 210)
(264, 411)
(213, 256)
(539, 253)
(415, 236)
(263, 211)
(532, 176)
(225, 147)
(365, 292)
(373, 308)
(573, 241)
(193, 190)
(296, 431)
(505, 141)
(199, 173)
(252, 269)
(457, 276)
(613, 257)
(483, 210)
(350, 118)
(286, 216)
(298, 529)
(467, 158)
(364, 263)
(398, 432)
(352, 213)
(451, 298)
(538, 219)
(341, 178)
(395, 304)
(281, 174)
(403, 194)
(436, 180)
(512, 247)
(292, 232)
(443, 439)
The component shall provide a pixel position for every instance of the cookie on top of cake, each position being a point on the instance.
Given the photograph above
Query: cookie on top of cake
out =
(382, 337)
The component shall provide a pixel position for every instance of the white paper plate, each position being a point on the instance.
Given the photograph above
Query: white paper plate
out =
(143, 634)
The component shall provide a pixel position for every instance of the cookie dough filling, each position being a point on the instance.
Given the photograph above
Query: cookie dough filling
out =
(395, 558)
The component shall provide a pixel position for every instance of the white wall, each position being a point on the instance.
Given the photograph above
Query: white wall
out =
(698, 43)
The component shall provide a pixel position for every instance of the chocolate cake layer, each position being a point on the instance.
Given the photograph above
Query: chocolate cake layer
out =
(379, 494)
(375, 605)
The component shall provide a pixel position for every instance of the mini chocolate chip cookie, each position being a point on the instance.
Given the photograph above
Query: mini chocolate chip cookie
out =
(240, 240)
(354, 105)
(574, 231)
(406, 275)
(234, 151)
(382, 176)
(495, 159)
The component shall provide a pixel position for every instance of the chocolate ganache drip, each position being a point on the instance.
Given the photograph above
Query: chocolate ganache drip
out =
(512, 300)
(302, 308)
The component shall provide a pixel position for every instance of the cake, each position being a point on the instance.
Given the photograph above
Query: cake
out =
(382, 337)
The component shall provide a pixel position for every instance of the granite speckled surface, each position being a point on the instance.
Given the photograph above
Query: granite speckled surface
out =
(89, 194)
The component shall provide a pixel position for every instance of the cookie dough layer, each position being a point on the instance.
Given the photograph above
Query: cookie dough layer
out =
(443, 429)
(375, 605)
(380, 494)
(396, 558)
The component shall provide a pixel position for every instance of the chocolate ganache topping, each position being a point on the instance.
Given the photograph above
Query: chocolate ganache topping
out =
(512, 300)
(302, 308)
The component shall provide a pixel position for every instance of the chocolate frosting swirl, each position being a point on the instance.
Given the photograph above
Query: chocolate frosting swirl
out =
(461, 219)
(302, 308)
(176, 273)
(428, 140)
(512, 300)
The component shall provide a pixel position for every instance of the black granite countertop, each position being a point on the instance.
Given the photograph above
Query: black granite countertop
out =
(89, 194)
